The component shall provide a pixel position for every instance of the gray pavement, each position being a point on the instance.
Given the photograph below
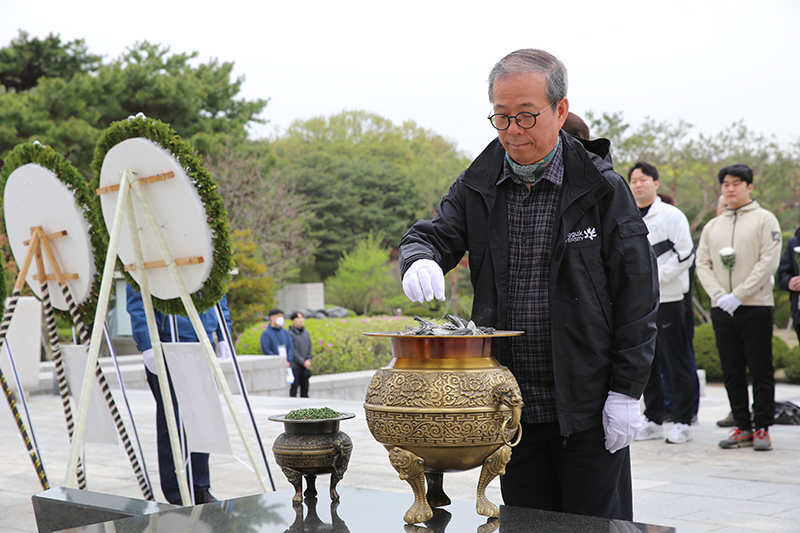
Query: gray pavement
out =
(695, 486)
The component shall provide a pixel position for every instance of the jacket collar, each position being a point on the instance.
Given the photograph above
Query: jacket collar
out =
(655, 207)
(583, 162)
(753, 205)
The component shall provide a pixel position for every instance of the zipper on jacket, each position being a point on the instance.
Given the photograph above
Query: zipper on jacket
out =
(733, 232)
(564, 442)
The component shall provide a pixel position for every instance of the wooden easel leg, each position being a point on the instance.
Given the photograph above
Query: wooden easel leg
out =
(97, 331)
(200, 331)
(161, 368)
(9, 314)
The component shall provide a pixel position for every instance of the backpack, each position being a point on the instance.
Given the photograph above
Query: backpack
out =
(787, 413)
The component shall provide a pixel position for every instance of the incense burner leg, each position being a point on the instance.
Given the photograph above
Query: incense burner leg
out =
(493, 466)
(296, 479)
(436, 495)
(411, 468)
(311, 486)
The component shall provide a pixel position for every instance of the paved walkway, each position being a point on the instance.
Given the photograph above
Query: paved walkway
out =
(695, 486)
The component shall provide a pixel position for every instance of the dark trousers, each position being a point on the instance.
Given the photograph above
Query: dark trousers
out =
(744, 341)
(573, 474)
(301, 375)
(201, 478)
(671, 354)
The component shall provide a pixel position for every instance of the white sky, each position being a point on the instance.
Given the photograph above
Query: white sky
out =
(708, 62)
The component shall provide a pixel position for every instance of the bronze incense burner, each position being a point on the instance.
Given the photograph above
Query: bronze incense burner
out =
(444, 404)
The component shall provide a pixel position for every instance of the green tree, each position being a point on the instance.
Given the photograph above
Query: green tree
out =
(275, 214)
(27, 60)
(350, 198)
(364, 276)
(360, 172)
(251, 290)
(70, 106)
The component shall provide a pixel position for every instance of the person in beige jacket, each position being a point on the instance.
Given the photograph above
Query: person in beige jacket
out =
(737, 257)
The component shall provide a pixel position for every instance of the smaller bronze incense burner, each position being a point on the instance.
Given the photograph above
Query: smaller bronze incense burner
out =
(311, 447)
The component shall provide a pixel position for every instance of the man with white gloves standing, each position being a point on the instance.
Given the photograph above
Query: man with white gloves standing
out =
(557, 249)
(738, 254)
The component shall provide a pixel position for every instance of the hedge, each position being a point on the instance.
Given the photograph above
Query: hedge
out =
(339, 343)
(707, 356)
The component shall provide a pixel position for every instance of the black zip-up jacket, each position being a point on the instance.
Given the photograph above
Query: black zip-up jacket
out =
(787, 269)
(603, 275)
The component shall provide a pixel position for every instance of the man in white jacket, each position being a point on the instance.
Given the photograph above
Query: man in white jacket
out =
(737, 257)
(672, 243)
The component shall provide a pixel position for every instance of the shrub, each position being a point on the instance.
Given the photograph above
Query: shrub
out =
(338, 343)
(780, 351)
(421, 311)
(705, 352)
(792, 371)
(792, 356)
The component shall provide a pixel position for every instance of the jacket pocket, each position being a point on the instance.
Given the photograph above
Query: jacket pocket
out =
(635, 255)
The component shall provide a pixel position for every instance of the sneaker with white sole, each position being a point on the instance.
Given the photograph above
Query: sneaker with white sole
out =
(679, 434)
(761, 441)
(650, 431)
(740, 438)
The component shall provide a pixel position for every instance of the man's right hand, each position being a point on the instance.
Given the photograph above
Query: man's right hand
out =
(424, 281)
(794, 284)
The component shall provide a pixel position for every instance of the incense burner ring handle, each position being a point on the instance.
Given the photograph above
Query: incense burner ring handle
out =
(505, 394)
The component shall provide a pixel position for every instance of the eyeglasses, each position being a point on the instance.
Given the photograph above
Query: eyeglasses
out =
(524, 120)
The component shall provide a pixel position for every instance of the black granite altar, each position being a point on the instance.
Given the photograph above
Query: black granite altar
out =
(61, 508)
(359, 511)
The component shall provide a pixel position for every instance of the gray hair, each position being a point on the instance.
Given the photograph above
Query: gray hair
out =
(533, 60)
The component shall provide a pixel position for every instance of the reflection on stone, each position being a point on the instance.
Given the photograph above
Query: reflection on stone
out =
(312, 523)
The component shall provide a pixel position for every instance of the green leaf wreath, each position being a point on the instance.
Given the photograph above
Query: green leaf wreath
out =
(215, 287)
(85, 198)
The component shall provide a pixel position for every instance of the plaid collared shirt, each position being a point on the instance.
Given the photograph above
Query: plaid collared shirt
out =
(531, 215)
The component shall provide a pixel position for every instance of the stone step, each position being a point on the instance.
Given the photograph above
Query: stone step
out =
(263, 375)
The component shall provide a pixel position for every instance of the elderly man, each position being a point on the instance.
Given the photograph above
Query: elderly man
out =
(557, 249)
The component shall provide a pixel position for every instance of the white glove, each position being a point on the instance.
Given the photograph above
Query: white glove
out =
(149, 359)
(729, 303)
(622, 420)
(423, 281)
(223, 350)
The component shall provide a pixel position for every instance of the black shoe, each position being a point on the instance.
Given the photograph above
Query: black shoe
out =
(203, 496)
(727, 422)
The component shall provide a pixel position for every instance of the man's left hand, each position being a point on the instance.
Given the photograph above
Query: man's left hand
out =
(622, 421)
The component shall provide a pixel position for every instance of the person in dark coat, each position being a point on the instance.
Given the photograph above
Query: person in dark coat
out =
(789, 277)
(301, 361)
(557, 249)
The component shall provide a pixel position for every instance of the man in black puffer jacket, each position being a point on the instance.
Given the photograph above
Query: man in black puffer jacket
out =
(557, 249)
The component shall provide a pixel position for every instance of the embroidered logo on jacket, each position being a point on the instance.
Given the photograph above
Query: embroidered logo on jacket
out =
(578, 236)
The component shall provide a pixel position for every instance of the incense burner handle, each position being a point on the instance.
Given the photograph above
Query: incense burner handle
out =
(505, 394)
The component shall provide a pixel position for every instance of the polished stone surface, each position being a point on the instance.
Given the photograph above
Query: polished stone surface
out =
(359, 511)
(60, 508)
